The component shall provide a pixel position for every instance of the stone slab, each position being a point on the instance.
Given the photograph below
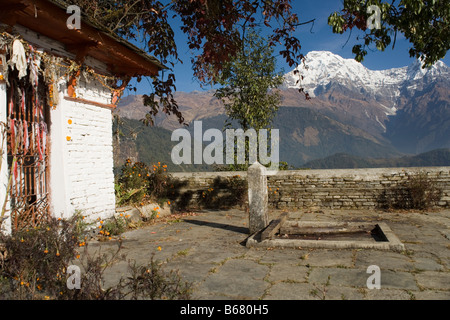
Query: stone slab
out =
(288, 273)
(339, 276)
(433, 279)
(358, 278)
(290, 291)
(328, 258)
(384, 260)
(388, 294)
(241, 279)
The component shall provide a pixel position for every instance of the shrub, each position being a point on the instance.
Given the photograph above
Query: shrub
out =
(418, 191)
(151, 282)
(35, 262)
(37, 259)
(113, 226)
(138, 183)
(224, 193)
(159, 181)
(239, 190)
(131, 184)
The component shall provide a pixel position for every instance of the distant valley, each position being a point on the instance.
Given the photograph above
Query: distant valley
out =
(434, 158)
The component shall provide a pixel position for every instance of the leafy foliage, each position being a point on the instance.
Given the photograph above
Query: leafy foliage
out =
(418, 191)
(37, 260)
(131, 184)
(114, 226)
(151, 282)
(425, 23)
(223, 193)
(248, 82)
(213, 30)
(138, 182)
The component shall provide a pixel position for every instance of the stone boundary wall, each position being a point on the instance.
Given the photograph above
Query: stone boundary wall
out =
(346, 188)
(333, 189)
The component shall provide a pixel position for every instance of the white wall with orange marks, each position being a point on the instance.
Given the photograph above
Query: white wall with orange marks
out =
(81, 157)
(5, 221)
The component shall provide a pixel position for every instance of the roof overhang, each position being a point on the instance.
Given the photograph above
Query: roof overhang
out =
(49, 18)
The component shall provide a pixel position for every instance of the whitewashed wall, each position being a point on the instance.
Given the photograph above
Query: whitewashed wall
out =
(81, 162)
(81, 153)
(6, 226)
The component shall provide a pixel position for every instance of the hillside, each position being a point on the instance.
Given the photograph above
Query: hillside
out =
(306, 134)
(194, 105)
(153, 144)
(147, 144)
(434, 158)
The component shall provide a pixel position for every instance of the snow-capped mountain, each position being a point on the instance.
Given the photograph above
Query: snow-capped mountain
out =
(323, 67)
(408, 106)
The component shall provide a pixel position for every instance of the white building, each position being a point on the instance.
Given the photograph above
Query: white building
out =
(58, 88)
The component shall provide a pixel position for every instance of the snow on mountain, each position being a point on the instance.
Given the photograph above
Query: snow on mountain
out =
(416, 72)
(323, 67)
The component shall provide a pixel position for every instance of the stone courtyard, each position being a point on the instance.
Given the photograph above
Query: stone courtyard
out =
(208, 250)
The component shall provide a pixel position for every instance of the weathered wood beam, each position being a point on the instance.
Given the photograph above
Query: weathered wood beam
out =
(274, 226)
(93, 103)
(81, 49)
(8, 12)
(8, 7)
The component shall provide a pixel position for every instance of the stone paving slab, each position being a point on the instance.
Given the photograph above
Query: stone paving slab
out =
(385, 260)
(328, 258)
(388, 294)
(290, 291)
(432, 295)
(237, 278)
(208, 249)
(433, 280)
(288, 272)
(339, 276)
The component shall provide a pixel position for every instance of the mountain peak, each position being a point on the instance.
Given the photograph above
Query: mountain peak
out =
(415, 70)
(323, 67)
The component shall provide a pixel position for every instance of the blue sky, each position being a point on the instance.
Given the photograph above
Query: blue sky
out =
(316, 37)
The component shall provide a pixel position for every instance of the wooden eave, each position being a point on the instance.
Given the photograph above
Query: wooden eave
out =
(49, 19)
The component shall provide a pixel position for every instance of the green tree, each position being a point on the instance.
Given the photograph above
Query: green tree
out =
(249, 82)
(425, 23)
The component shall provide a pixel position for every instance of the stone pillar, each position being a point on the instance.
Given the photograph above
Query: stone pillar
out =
(257, 197)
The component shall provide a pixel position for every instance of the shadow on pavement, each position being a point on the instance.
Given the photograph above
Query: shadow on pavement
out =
(219, 225)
